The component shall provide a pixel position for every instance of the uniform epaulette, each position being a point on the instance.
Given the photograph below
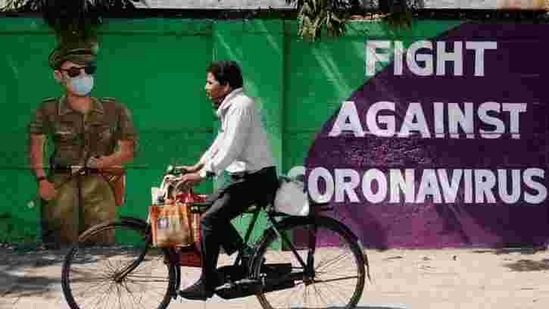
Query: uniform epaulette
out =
(108, 99)
(49, 99)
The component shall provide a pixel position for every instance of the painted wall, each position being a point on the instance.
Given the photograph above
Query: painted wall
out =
(157, 67)
(445, 146)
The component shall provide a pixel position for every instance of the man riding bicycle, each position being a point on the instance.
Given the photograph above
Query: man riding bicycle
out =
(242, 149)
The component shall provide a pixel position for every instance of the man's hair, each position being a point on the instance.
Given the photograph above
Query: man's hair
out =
(227, 72)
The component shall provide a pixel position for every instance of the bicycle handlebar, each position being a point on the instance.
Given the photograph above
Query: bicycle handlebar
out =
(175, 170)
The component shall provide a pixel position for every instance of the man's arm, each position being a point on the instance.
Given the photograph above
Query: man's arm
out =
(36, 153)
(127, 141)
(39, 128)
(124, 154)
(46, 189)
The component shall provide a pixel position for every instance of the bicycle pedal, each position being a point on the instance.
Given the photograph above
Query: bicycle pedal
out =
(237, 289)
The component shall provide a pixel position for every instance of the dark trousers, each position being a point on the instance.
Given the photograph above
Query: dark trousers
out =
(229, 202)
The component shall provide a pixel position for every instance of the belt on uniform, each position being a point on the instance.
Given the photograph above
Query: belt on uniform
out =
(60, 169)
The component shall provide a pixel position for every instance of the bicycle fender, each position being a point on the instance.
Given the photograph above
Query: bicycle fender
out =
(355, 238)
(293, 220)
(134, 221)
(143, 224)
(310, 219)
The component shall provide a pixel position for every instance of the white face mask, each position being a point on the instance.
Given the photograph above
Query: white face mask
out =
(82, 84)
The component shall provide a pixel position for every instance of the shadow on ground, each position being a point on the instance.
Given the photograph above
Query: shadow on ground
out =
(19, 272)
(512, 250)
(367, 307)
(529, 265)
(21, 269)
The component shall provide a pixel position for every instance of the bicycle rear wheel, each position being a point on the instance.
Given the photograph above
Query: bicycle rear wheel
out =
(335, 281)
(113, 265)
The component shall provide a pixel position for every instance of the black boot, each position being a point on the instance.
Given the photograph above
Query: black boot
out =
(198, 291)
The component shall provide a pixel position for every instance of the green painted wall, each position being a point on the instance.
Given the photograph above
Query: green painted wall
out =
(157, 68)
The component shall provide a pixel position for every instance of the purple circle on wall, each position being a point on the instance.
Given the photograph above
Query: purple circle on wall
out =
(448, 160)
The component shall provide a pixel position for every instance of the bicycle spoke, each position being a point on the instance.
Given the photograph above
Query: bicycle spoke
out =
(131, 294)
(146, 279)
(96, 295)
(319, 294)
(338, 276)
(128, 276)
(334, 260)
(339, 279)
(336, 288)
(104, 298)
(291, 296)
(96, 287)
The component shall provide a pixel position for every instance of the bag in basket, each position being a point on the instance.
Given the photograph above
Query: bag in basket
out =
(170, 225)
(188, 199)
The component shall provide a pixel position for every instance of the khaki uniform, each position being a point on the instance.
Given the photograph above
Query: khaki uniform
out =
(82, 200)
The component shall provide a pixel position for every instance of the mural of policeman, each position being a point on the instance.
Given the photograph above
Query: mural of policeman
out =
(84, 131)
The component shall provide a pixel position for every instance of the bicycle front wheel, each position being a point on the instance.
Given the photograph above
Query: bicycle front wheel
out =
(113, 265)
(320, 265)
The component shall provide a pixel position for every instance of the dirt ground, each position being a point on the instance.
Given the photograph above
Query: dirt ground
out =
(445, 278)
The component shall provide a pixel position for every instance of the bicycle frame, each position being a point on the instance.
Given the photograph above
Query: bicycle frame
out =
(127, 270)
(266, 271)
(316, 207)
(307, 265)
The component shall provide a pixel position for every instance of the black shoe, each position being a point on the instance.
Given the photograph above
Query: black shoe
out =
(197, 291)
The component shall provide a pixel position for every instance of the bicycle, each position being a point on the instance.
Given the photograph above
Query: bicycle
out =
(288, 258)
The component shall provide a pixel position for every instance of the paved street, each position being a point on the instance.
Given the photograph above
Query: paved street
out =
(448, 278)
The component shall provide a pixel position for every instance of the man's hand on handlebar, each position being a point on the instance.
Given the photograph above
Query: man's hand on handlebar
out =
(185, 169)
(191, 179)
(187, 175)
(189, 169)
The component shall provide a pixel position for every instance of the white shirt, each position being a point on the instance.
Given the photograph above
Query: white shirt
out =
(241, 144)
